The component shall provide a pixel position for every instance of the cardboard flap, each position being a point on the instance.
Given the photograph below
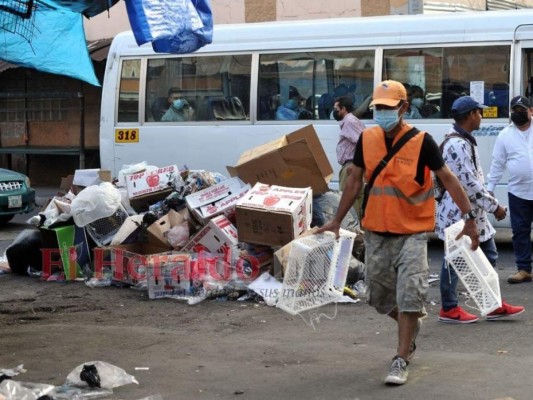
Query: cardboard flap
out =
(261, 150)
(214, 193)
(308, 133)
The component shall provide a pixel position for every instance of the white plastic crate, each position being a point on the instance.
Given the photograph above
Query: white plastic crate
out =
(473, 269)
(102, 230)
(316, 271)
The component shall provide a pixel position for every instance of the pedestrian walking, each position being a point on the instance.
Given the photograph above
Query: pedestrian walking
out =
(351, 129)
(513, 151)
(459, 151)
(395, 160)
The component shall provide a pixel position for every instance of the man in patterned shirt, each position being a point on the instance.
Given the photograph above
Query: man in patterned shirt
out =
(460, 154)
(351, 129)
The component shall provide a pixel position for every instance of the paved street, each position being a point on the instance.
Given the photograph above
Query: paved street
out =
(245, 350)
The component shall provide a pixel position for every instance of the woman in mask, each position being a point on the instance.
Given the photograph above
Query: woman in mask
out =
(416, 101)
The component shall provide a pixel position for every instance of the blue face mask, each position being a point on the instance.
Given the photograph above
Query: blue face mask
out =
(291, 104)
(387, 119)
(178, 104)
(418, 102)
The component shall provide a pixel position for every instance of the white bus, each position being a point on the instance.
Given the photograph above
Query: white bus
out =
(236, 85)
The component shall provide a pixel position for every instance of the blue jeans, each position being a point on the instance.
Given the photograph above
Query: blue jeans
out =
(521, 218)
(449, 278)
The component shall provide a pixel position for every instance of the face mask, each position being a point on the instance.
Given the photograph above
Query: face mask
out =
(291, 104)
(336, 115)
(418, 102)
(179, 104)
(519, 118)
(387, 119)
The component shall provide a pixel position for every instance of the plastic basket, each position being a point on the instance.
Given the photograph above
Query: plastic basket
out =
(316, 271)
(102, 230)
(473, 269)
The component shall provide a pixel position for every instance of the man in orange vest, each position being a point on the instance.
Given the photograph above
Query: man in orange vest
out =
(400, 209)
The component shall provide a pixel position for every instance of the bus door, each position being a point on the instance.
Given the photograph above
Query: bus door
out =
(523, 62)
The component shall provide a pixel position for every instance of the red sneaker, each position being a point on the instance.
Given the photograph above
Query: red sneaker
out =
(457, 316)
(506, 310)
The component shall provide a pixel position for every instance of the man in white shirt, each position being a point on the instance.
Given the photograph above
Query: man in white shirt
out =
(514, 150)
(351, 129)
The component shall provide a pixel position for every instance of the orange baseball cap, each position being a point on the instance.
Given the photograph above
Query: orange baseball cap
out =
(389, 93)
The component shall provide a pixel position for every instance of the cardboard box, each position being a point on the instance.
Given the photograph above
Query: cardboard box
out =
(295, 160)
(218, 234)
(217, 199)
(146, 182)
(169, 277)
(65, 246)
(142, 203)
(157, 231)
(273, 215)
(88, 177)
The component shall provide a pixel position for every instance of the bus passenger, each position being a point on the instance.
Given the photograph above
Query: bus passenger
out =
(415, 95)
(399, 211)
(179, 108)
(291, 109)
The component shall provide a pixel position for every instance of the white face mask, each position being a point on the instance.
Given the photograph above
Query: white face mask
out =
(418, 102)
(387, 119)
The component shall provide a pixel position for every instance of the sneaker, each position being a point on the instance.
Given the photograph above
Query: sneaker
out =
(520, 277)
(506, 310)
(412, 349)
(457, 316)
(398, 372)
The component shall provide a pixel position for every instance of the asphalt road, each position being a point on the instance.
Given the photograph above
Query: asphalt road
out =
(246, 350)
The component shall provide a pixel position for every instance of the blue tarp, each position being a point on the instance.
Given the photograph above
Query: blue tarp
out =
(57, 45)
(172, 26)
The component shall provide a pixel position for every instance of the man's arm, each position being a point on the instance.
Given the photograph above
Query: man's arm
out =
(497, 166)
(349, 194)
(453, 186)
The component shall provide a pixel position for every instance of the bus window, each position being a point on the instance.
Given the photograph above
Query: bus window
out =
(198, 88)
(305, 85)
(128, 97)
(444, 74)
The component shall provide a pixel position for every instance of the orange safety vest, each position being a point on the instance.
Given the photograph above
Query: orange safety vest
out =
(397, 203)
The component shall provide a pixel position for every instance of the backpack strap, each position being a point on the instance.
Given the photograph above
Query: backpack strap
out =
(456, 135)
(440, 189)
(383, 163)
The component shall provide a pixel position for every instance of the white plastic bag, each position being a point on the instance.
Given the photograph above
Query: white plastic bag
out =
(95, 202)
(110, 375)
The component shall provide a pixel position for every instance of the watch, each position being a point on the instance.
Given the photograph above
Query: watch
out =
(470, 215)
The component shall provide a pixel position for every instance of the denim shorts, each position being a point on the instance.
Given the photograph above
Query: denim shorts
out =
(396, 272)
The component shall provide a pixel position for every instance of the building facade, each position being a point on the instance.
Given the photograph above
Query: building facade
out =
(49, 124)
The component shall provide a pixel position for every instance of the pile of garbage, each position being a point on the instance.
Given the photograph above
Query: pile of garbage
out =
(180, 233)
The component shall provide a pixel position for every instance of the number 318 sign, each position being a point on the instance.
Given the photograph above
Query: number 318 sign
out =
(126, 135)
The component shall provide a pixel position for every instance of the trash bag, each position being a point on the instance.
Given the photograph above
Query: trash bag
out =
(109, 375)
(89, 374)
(95, 202)
(173, 26)
(25, 251)
(325, 207)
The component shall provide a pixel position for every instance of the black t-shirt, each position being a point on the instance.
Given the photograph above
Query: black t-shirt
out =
(430, 156)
